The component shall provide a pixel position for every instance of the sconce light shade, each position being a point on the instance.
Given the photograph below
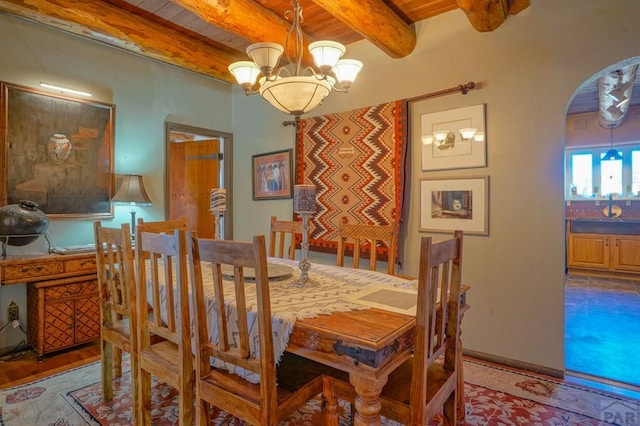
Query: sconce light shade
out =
(132, 192)
(478, 137)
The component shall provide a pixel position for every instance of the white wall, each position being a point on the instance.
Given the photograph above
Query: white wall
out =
(527, 70)
(146, 94)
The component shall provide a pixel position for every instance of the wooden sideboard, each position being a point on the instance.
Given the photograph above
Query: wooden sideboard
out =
(63, 308)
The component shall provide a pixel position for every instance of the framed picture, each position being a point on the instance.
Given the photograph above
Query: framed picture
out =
(57, 152)
(272, 175)
(455, 203)
(453, 139)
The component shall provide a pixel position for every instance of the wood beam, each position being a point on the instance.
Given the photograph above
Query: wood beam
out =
(487, 15)
(99, 21)
(376, 22)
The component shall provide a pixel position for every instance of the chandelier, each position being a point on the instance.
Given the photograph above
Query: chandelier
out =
(290, 88)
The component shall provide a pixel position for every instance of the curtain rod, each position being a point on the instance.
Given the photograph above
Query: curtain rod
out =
(463, 88)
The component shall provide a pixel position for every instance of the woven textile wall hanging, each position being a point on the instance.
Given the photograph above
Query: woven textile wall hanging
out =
(356, 161)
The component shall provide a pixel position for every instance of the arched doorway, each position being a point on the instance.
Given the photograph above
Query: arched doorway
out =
(602, 208)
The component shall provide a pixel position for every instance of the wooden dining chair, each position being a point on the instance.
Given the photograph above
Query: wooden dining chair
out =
(163, 226)
(163, 291)
(116, 284)
(271, 399)
(373, 235)
(426, 384)
(280, 230)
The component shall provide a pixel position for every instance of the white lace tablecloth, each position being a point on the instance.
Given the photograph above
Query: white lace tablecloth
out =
(332, 292)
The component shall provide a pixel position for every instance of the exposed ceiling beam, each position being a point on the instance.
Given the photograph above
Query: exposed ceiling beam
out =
(376, 22)
(487, 15)
(115, 27)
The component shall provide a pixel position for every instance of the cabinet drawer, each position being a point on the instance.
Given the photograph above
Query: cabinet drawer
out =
(31, 270)
(80, 265)
(72, 289)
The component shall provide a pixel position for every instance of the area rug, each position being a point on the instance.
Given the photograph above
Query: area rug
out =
(494, 396)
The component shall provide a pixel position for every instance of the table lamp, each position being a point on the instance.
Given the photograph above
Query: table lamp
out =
(304, 203)
(132, 193)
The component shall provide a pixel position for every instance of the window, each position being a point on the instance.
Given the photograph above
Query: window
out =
(590, 175)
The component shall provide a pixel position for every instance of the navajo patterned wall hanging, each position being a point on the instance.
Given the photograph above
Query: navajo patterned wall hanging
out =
(356, 161)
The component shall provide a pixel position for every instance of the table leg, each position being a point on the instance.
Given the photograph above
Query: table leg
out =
(367, 402)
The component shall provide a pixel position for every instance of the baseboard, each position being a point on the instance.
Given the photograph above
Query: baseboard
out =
(521, 365)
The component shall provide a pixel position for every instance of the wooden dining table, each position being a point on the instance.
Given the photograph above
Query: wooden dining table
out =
(358, 321)
(368, 343)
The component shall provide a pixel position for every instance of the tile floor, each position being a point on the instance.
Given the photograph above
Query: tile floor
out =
(602, 330)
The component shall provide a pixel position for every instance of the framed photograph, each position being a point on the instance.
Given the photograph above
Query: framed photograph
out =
(57, 152)
(272, 175)
(453, 139)
(455, 203)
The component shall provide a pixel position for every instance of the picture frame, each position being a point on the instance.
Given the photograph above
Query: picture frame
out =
(454, 151)
(455, 203)
(272, 175)
(56, 151)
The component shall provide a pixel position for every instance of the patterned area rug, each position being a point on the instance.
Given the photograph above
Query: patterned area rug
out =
(494, 396)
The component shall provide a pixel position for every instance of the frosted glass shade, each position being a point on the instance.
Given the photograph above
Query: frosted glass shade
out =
(265, 55)
(346, 70)
(326, 53)
(295, 95)
(245, 72)
(468, 132)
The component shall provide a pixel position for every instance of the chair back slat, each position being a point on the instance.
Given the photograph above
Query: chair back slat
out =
(437, 318)
(162, 256)
(368, 237)
(280, 230)
(209, 256)
(114, 263)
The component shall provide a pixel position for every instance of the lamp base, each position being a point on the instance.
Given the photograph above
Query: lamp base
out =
(133, 225)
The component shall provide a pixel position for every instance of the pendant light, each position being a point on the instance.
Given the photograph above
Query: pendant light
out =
(612, 154)
(290, 87)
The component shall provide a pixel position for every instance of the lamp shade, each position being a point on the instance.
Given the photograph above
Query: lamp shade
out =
(132, 192)
(326, 53)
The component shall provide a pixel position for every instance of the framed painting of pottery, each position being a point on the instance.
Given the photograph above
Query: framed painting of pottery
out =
(56, 152)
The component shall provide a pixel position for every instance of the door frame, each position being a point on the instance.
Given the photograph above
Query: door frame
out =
(226, 166)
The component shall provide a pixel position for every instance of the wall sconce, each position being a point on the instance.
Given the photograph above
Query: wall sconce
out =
(132, 193)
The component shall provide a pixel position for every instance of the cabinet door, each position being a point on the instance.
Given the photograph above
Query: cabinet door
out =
(87, 324)
(626, 253)
(589, 251)
(58, 325)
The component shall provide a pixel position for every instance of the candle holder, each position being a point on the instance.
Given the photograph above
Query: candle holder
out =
(217, 206)
(304, 203)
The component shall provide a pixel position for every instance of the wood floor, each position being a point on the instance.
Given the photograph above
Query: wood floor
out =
(23, 367)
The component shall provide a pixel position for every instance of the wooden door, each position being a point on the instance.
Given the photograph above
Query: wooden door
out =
(194, 169)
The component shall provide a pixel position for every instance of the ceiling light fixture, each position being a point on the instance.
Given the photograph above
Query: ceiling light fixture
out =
(63, 90)
(612, 154)
(290, 88)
